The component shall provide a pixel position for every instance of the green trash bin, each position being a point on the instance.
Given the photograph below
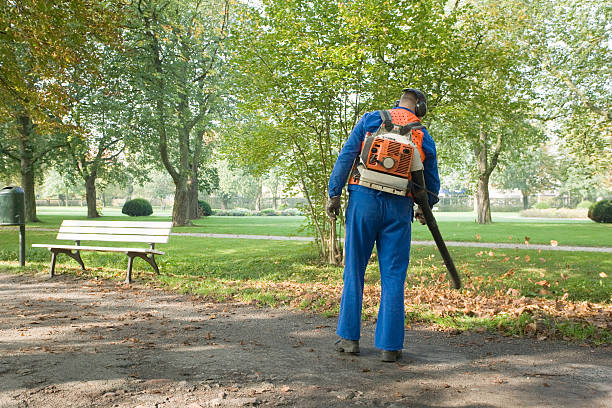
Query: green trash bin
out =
(12, 206)
(12, 212)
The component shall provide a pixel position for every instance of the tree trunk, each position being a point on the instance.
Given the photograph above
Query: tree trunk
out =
(180, 210)
(193, 196)
(525, 195)
(258, 195)
(482, 198)
(26, 156)
(90, 196)
(483, 204)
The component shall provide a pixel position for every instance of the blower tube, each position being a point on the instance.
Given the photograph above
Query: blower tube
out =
(419, 194)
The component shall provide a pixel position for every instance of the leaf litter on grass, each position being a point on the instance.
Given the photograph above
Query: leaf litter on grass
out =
(441, 301)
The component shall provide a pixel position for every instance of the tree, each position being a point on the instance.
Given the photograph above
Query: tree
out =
(569, 43)
(176, 47)
(491, 114)
(103, 129)
(528, 170)
(40, 44)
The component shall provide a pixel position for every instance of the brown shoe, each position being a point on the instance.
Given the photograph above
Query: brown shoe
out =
(391, 356)
(347, 346)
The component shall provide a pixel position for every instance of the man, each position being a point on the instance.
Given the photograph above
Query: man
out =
(381, 217)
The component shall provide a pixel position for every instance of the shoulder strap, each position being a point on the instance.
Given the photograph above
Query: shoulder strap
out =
(385, 115)
(410, 126)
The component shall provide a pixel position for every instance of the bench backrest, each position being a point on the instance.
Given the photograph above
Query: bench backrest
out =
(120, 231)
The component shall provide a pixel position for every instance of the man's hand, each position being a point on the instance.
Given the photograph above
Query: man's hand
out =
(333, 207)
(418, 214)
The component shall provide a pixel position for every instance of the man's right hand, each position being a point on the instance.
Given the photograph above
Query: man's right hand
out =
(332, 208)
(418, 214)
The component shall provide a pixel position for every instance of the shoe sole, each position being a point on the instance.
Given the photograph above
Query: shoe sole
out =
(391, 357)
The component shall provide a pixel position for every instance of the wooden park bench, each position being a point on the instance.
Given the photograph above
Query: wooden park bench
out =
(113, 231)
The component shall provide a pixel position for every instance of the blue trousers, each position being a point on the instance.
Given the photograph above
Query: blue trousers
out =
(374, 216)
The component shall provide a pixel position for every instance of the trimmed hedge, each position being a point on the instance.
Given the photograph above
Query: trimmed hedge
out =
(137, 207)
(601, 211)
(204, 209)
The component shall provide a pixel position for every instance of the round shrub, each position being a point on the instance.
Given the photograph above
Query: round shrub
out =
(204, 209)
(541, 206)
(268, 211)
(601, 211)
(585, 204)
(137, 207)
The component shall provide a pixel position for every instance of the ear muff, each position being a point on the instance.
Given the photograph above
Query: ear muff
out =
(421, 105)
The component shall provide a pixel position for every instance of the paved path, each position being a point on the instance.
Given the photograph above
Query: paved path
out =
(423, 243)
(74, 342)
(418, 243)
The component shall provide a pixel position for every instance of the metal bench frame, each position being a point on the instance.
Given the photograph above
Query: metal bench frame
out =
(113, 231)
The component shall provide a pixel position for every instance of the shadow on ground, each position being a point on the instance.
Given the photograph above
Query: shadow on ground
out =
(71, 342)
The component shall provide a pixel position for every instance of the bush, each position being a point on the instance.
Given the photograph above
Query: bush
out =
(555, 213)
(137, 207)
(268, 211)
(204, 209)
(541, 206)
(290, 212)
(601, 211)
(585, 204)
(239, 212)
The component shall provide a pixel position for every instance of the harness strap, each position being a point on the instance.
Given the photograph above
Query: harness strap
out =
(385, 115)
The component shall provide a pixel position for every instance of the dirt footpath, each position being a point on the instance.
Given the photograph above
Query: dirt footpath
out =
(70, 342)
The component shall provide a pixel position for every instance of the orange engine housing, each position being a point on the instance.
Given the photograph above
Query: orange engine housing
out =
(390, 156)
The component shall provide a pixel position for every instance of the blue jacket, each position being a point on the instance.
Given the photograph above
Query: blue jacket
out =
(370, 122)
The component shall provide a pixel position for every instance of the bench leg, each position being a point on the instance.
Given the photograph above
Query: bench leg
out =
(128, 278)
(76, 255)
(149, 258)
(53, 258)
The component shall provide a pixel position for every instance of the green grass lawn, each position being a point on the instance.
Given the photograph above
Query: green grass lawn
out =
(288, 272)
(577, 273)
(509, 227)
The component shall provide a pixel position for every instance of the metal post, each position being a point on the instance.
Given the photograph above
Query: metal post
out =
(22, 243)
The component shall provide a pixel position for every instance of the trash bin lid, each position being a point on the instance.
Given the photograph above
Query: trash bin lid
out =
(11, 190)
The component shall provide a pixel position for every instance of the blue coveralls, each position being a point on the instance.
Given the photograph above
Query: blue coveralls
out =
(384, 218)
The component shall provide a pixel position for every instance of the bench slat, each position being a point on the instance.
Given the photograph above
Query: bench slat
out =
(117, 231)
(133, 224)
(101, 249)
(155, 239)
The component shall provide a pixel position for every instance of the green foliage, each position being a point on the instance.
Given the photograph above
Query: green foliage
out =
(584, 204)
(541, 205)
(569, 43)
(137, 207)
(601, 211)
(204, 209)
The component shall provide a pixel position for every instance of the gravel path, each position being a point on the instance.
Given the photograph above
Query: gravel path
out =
(71, 342)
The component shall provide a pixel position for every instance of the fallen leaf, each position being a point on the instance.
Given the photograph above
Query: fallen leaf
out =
(527, 240)
(477, 237)
(527, 258)
(553, 243)
(603, 275)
